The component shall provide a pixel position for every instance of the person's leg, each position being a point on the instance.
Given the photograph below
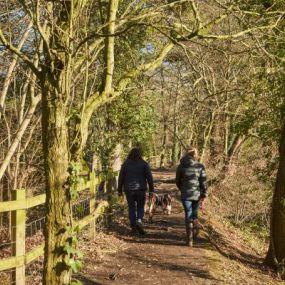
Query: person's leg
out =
(195, 208)
(140, 204)
(132, 209)
(187, 205)
(140, 200)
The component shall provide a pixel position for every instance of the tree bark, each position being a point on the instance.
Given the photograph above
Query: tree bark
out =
(163, 150)
(174, 152)
(56, 153)
(55, 82)
(207, 136)
(276, 252)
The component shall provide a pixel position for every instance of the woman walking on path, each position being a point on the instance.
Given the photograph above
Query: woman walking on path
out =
(134, 176)
(192, 182)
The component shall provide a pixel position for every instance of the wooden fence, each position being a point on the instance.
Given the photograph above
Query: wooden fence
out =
(19, 206)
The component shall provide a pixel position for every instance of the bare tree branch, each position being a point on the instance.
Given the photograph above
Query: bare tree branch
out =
(12, 66)
(17, 51)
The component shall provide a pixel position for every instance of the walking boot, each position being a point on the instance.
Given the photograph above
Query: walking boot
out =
(189, 233)
(196, 228)
(133, 231)
(140, 228)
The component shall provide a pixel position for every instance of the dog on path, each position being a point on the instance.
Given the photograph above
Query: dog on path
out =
(155, 201)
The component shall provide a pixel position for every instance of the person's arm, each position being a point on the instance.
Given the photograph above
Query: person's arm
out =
(149, 178)
(178, 177)
(121, 180)
(203, 183)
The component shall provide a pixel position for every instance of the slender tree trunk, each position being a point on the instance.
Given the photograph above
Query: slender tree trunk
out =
(226, 126)
(276, 252)
(207, 136)
(162, 155)
(153, 152)
(174, 152)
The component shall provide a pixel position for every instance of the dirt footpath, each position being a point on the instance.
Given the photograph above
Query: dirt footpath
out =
(159, 257)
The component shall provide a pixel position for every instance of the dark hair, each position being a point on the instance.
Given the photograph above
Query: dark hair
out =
(135, 154)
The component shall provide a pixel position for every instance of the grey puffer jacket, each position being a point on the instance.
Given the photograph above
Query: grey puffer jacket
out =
(191, 179)
(134, 176)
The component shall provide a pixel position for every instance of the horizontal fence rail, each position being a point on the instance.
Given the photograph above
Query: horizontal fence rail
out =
(18, 208)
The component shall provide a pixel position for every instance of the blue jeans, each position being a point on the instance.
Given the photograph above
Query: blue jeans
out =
(136, 201)
(191, 209)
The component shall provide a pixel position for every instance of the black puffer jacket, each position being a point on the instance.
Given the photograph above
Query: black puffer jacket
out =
(191, 179)
(134, 176)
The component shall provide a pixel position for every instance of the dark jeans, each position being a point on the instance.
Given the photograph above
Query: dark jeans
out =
(191, 209)
(136, 201)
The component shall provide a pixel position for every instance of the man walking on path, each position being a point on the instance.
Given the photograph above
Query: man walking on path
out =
(134, 176)
(191, 180)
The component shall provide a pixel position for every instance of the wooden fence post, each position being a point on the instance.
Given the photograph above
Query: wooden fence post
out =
(92, 202)
(19, 236)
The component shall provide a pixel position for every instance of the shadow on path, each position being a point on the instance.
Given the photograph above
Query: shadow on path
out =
(87, 281)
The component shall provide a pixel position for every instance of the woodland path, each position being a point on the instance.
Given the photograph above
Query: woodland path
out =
(160, 257)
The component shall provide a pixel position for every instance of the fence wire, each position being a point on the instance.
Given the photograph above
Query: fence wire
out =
(6, 277)
(33, 227)
(81, 209)
(6, 243)
(34, 272)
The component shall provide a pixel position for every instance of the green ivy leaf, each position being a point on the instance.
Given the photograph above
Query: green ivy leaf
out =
(75, 265)
(76, 229)
(68, 249)
(74, 239)
(79, 254)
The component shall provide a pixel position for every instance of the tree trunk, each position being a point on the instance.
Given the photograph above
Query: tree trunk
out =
(55, 85)
(56, 151)
(207, 136)
(276, 251)
(162, 155)
(174, 152)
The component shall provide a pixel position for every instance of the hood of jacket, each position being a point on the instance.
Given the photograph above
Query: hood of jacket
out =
(187, 161)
